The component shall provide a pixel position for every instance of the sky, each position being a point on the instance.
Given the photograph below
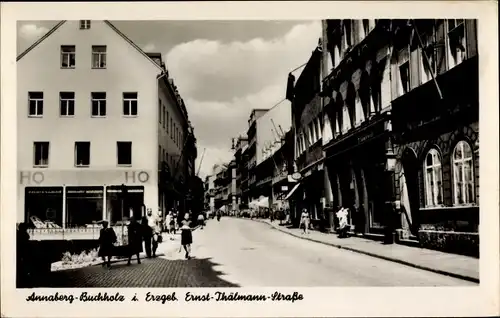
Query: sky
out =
(223, 69)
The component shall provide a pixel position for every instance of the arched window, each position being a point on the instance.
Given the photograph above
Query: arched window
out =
(433, 179)
(463, 174)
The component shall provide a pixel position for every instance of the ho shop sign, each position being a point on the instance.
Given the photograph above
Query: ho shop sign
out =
(38, 177)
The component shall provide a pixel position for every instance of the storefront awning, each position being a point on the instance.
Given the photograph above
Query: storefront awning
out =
(292, 191)
(263, 202)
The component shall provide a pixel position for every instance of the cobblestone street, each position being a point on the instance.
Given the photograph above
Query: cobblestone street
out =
(236, 252)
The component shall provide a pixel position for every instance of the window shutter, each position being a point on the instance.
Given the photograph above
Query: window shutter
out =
(471, 35)
(441, 46)
(414, 68)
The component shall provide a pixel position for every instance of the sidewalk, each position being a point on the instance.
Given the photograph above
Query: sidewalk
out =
(453, 265)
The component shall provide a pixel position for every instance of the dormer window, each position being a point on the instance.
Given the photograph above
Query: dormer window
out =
(84, 24)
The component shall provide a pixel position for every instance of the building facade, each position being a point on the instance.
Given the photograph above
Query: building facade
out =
(93, 151)
(307, 121)
(401, 128)
(251, 154)
(241, 171)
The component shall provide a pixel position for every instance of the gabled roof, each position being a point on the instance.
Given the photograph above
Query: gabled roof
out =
(58, 25)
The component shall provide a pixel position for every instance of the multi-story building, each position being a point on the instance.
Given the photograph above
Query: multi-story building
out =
(225, 187)
(88, 148)
(210, 193)
(307, 123)
(270, 137)
(251, 154)
(241, 171)
(401, 128)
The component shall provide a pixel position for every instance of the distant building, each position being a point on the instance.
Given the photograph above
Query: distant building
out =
(252, 154)
(272, 126)
(88, 146)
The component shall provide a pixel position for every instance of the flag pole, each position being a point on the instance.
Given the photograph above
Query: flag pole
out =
(427, 61)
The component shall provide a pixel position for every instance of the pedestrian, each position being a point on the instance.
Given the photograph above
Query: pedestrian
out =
(343, 223)
(147, 235)
(219, 215)
(134, 240)
(271, 215)
(305, 220)
(186, 235)
(153, 222)
(170, 224)
(107, 237)
(201, 220)
(24, 251)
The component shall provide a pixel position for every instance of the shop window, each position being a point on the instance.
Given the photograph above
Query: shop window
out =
(456, 40)
(43, 204)
(84, 206)
(98, 56)
(124, 153)
(67, 104)
(433, 179)
(82, 154)
(98, 104)
(68, 56)
(463, 174)
(404, 73)
(130, 104)
(35, 102)
(41, 154)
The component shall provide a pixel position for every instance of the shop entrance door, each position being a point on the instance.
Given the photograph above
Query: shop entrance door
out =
(410, 166)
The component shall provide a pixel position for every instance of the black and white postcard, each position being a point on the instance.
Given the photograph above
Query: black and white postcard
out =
(249, 159)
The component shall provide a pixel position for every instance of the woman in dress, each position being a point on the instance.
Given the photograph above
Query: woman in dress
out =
(107, 238)
(186, 235)
(305, 219)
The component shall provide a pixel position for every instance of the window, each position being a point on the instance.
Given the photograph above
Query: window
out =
(433, 179)
(41, 154)
(68, 53)
(456, 36)
(35, 101)
(130, 104)
(84, 24)
(82, 153)
(347, 32)
(168, 118)
(463, 175)
(67, 103)
(159, 111)
(124, 153)
(366, 26)
(99, 104)
(159, 153)
(171, 128)
(174, 131)
(164, 115)
(99, 56)
(404, 72)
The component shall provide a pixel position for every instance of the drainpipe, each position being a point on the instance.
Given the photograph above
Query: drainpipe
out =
(158, 78)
